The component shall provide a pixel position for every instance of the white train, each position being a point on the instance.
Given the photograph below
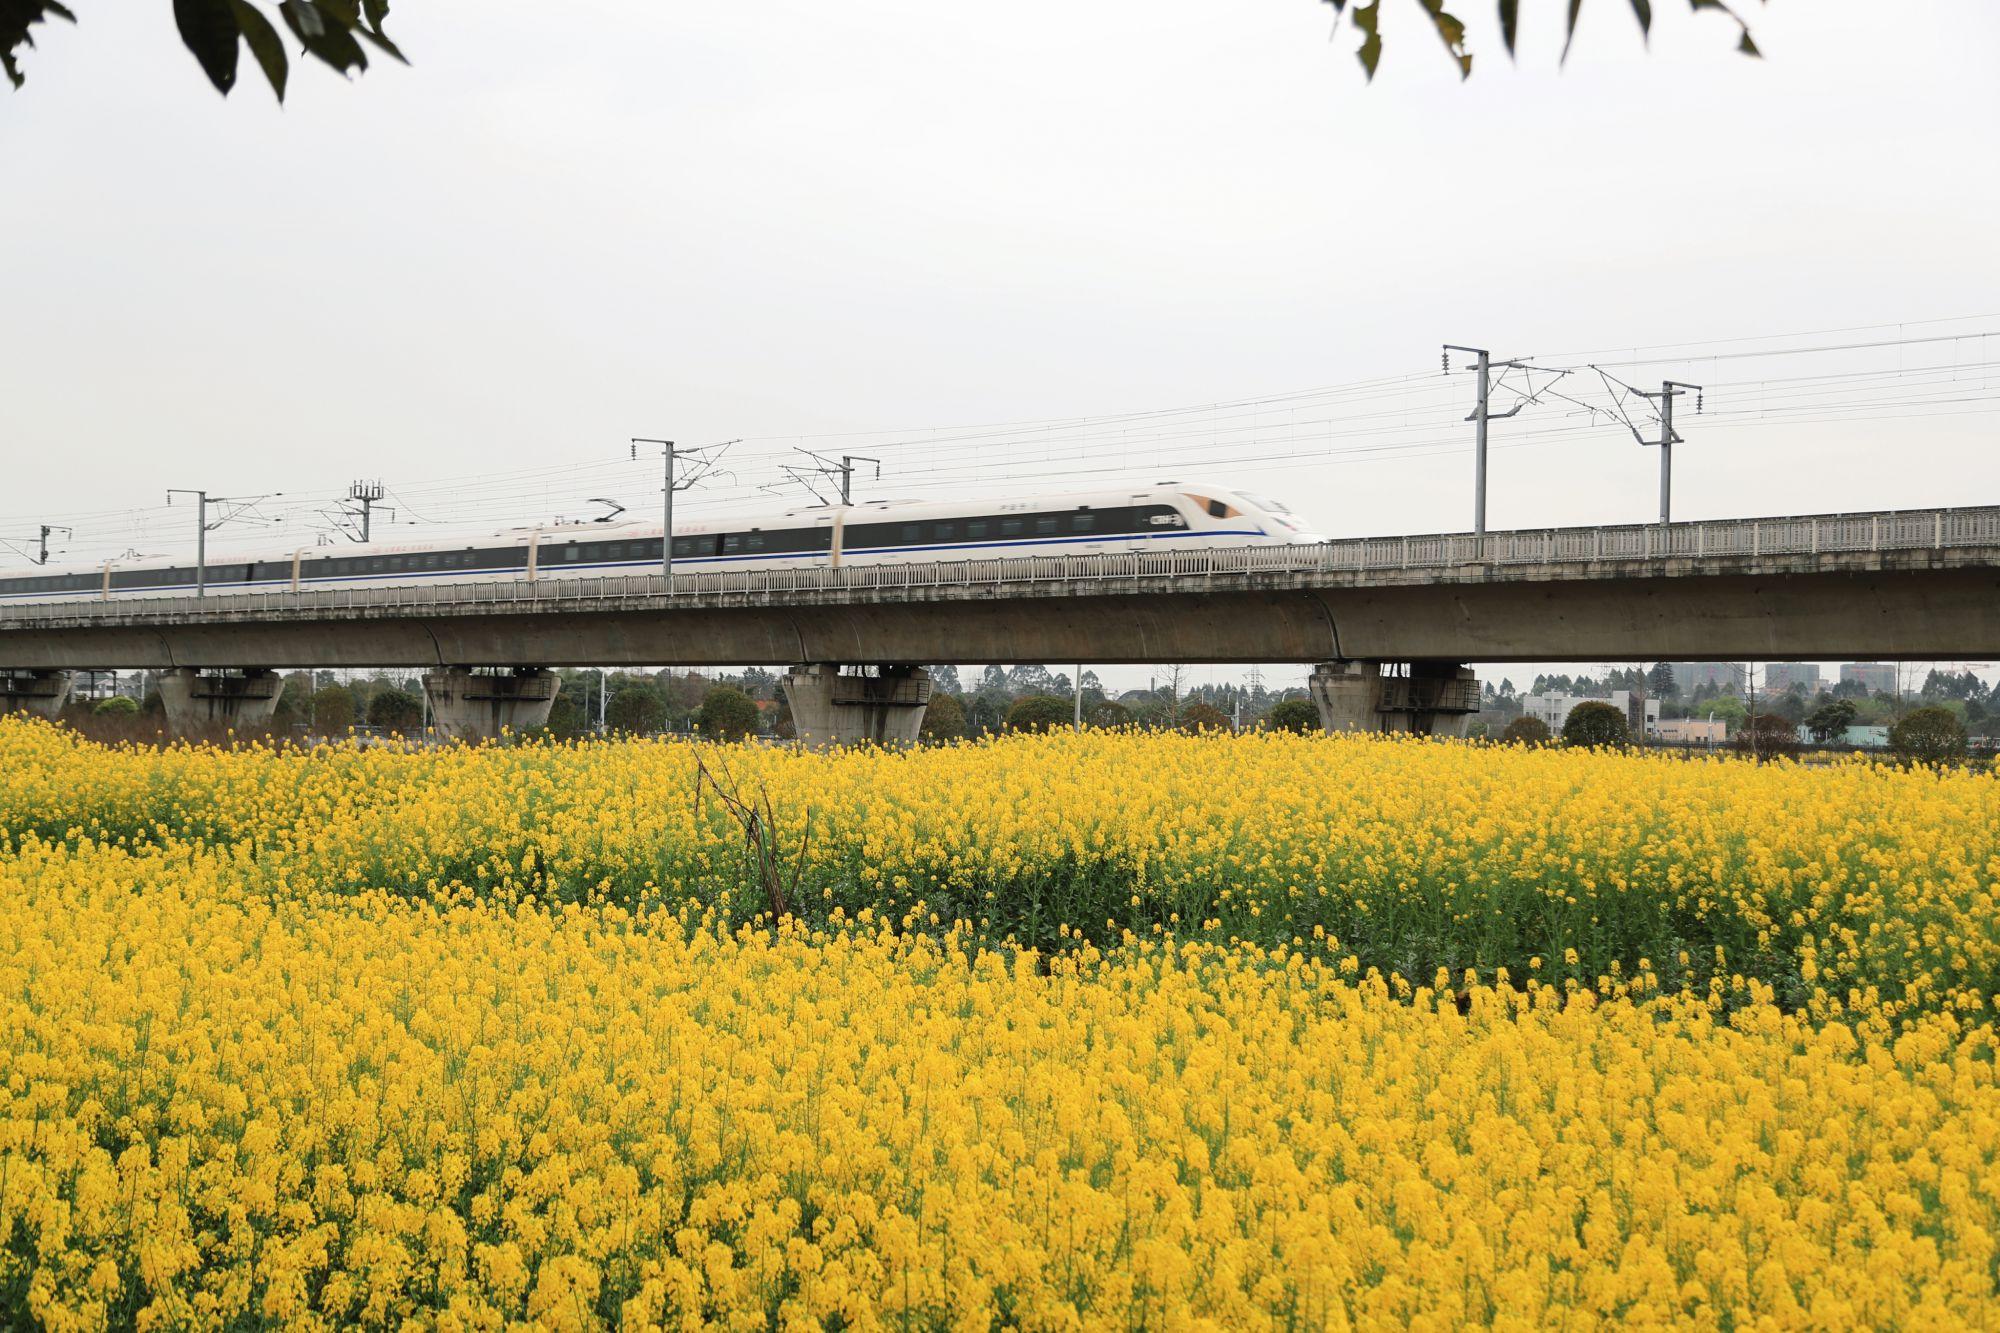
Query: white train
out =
(1169, 515)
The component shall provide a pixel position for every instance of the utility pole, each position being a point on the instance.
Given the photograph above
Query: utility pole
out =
(41, 556)
(703, 463)
(1669, 390)
(847, 462)
(202, 526)
(1481, 414)
(367, 494)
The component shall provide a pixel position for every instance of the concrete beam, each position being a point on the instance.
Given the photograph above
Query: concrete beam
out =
(833, 708)
(468, 705)
(1919, 606)
(1424, 698)
(40, 692)
(198, 701)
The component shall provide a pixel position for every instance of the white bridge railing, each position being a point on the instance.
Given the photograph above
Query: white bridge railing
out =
(1816, 534)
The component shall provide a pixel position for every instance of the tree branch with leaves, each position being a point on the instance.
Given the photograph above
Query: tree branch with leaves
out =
(1367, 18)
(337, 33)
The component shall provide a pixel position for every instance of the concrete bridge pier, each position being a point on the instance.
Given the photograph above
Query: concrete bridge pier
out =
(210, 700)
(884, 706)
(468, 705)
(1425, 698)
(43, 692)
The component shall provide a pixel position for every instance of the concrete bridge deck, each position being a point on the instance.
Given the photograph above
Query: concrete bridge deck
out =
(1907, 585)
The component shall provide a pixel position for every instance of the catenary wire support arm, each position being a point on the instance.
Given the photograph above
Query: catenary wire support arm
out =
(703, 461)
(1483, 413)
(40, 542)
(232, 507)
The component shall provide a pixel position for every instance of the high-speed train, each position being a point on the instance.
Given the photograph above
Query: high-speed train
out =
(1167, 515)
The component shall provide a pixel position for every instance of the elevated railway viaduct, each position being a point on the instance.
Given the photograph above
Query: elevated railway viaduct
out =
(1389, 622)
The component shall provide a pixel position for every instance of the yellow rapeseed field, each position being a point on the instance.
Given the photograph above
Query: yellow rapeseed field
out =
(1067, 1032)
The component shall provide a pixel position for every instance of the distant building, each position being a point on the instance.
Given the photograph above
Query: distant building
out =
(1554, 709)
(1692, 676)
(1875, 677)
(1690, 731)
(1868, 738)
(1781, 676)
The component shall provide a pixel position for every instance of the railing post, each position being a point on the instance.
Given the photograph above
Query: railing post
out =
(1937, 536)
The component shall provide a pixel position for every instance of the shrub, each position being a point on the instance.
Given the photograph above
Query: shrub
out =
(1595, 723)
(118, 706)
(1202, 716)
(1930, 735)
(395, 710)
(1299, 715)
(944, 718)
(1040, 712)
(727, 714)
(1109, 714)
(1525, 730)
(635, 708)
(333, 709)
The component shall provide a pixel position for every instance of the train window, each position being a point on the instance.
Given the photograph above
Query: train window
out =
(732, 543)
(910, 535)
(616, 551)
(1010, 527)
(947, 532)
(975, 529)
(570, 551)
(1046, 523)
(1082, 521)
(1217, 509)
(375, 565)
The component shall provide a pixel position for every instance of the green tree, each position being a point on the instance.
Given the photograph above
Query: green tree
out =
(1930, 735)
(1660, 683)
(117, 706)
(635, 707)
(1299, 715)
(944, 718)
(1830, 721)
(1594, 723)
(1039, 712)
(567, 719)
(394, 709)
(1525, 730)
(727, 714)
(332, 709)
(1201, 715)
(1108, 714)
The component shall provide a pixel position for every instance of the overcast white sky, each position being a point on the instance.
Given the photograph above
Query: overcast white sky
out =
(566, 225)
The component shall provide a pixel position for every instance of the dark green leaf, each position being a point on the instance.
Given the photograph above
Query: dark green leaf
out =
(209, 30)
(264, 43)
(1643, 9)
(376, 11)
(381, 40)
(322, 35)
(1365, 18)
(1748, 47)
(1510, 21)
(1452, 32)
(302, 18)
(1569, 33)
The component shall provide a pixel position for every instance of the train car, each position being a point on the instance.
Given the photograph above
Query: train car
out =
(1167, 515)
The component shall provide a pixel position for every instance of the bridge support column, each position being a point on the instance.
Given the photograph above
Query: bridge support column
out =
(1427, 698)
(469, 705)
(208, 701)
(43, 692)
(831, 708)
